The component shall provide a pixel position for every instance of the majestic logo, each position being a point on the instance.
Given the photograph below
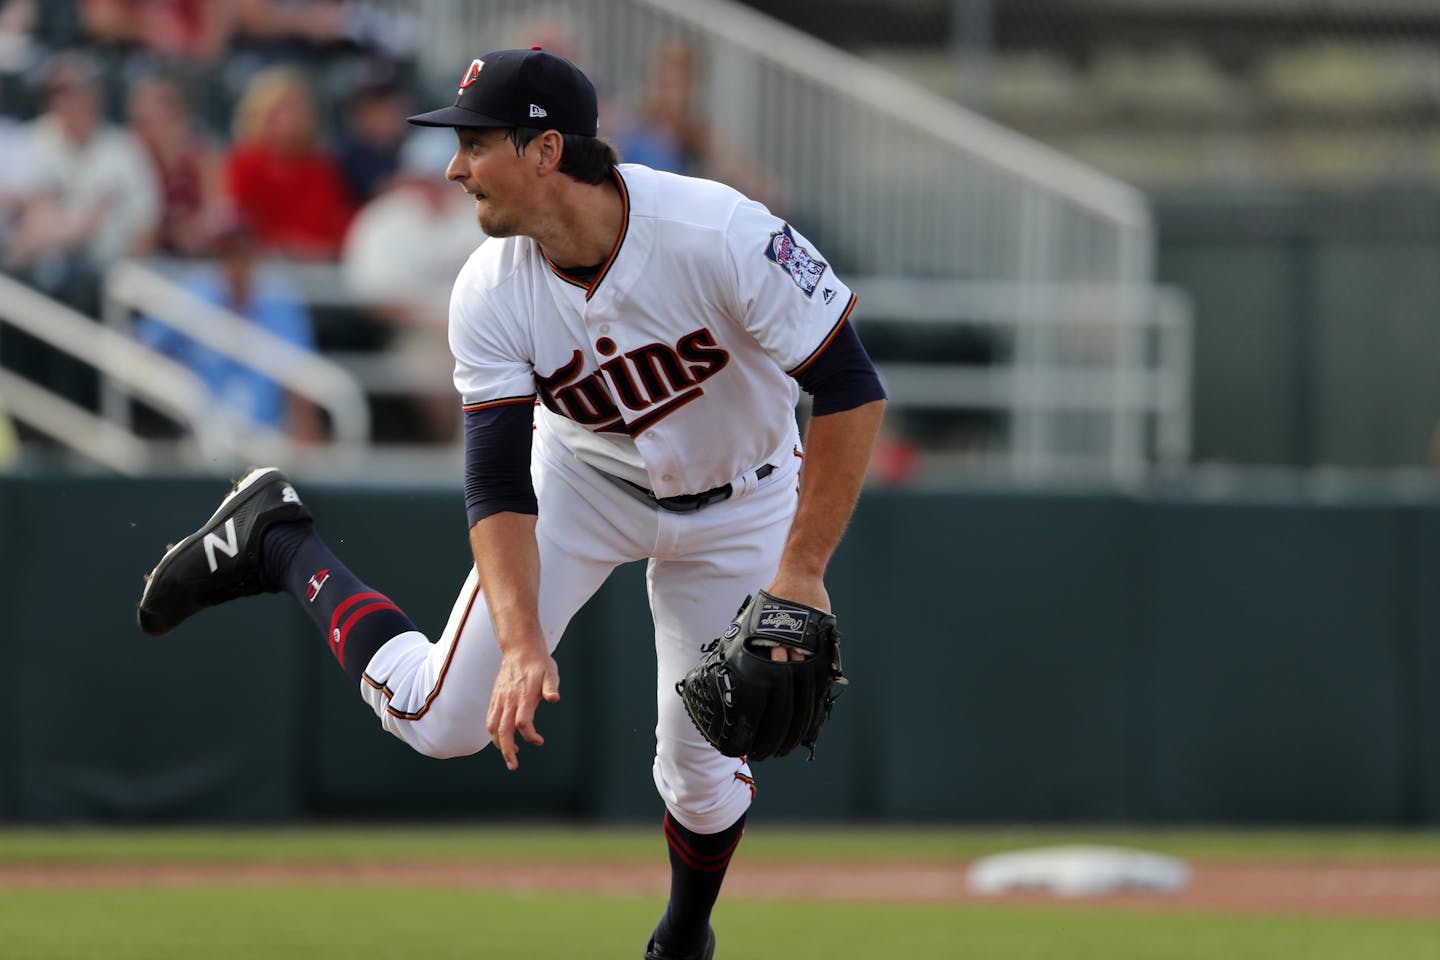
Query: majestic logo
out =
(654, 380)
(538, 111)
(312, 589)
(229, 546)
(472, 73)
(795, 260)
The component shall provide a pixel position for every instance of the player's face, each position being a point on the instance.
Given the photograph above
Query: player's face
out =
(487, 167)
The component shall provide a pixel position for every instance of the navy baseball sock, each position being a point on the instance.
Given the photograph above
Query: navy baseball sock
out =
(697, 868)
(356, 620)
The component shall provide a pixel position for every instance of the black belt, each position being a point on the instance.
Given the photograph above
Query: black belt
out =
(690, 502)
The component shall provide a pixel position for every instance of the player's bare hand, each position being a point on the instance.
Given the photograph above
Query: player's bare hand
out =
(800, 589)
(526, 677)
(807, 590)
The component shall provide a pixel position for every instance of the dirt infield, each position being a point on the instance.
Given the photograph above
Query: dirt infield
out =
(1411, 890)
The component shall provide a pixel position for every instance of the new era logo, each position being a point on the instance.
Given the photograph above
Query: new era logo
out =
(538, 111)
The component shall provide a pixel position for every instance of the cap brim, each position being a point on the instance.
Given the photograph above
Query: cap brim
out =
(454, 117)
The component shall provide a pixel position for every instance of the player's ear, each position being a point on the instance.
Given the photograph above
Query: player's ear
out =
(550, 147)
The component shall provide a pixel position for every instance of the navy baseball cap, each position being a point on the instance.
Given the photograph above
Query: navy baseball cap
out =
(520, 88)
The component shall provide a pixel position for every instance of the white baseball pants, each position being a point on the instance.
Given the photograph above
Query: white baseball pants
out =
(702, 564)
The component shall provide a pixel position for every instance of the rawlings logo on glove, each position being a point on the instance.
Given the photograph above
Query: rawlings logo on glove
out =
(782, 620)
(749, 705)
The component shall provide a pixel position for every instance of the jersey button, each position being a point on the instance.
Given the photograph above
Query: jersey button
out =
(667, 478)
(604, 328)
(650, 435)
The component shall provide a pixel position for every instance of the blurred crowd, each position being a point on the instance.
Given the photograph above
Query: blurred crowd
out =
(223, 137)
(233, 140)
(234, 135)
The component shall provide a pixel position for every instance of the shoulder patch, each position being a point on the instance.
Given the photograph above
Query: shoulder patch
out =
(795, 260)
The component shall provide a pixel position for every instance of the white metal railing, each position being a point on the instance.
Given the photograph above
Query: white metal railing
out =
(132, 286)
(885, 176)
(926, 208)
(169, 387)
(892, 181)
(1075, 369)
(79, 430)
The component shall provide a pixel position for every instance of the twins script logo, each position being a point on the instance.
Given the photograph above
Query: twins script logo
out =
(654, 380)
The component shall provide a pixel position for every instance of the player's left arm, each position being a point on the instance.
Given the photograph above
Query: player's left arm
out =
(848, 402)
(791, 302)
(837, 455)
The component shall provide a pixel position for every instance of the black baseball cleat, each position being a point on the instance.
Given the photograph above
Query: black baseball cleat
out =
(221, 560)
(654, 951)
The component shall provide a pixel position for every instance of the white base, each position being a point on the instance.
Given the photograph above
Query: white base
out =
(1077, 871)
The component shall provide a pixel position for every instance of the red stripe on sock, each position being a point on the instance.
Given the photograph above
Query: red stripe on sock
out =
(703, 862)
(349, 602)
(338, 636)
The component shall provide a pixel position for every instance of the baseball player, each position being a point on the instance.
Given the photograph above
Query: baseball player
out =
(629, 349)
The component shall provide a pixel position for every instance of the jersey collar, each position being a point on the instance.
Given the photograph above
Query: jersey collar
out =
(600, 274)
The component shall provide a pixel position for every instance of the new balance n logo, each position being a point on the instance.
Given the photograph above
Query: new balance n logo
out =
(229, 546)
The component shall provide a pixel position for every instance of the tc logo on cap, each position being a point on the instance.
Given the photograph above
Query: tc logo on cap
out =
(518, 88)
(471, 75)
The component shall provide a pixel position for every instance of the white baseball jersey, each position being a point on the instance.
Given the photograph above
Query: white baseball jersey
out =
(669, 369)
(706, 306)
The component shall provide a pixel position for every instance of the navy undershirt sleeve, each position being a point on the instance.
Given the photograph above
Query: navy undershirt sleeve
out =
(497, 461)
(842, 377)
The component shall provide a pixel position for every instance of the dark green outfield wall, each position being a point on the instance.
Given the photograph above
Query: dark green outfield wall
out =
(1153, 658)
(1315, 322)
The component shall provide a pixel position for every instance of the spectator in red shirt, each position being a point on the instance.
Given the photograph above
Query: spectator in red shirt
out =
(284, 185)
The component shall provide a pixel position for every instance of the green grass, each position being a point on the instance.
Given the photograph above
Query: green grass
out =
(763, 842)
(311, 923)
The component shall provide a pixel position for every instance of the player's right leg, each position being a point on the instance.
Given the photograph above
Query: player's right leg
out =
(262, 539)
(436, 696)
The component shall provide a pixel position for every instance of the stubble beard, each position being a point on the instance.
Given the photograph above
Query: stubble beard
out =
(496, 226)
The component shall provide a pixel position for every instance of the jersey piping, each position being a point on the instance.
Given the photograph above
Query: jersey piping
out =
(829, 338)
(502, 402)
(444, 670)
(600, 274)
